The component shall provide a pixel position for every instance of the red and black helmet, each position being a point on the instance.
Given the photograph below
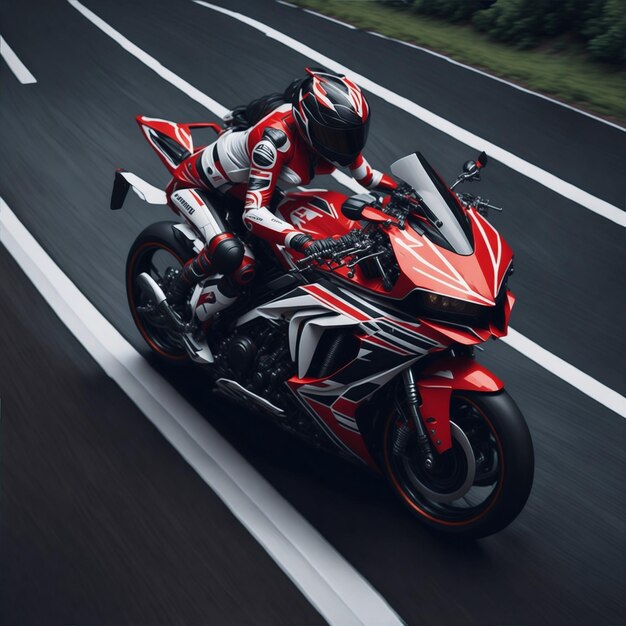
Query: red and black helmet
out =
(333, 115)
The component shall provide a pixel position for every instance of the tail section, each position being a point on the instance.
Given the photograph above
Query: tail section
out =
(171, 141)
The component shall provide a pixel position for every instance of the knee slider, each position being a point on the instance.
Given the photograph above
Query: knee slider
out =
(227, 254)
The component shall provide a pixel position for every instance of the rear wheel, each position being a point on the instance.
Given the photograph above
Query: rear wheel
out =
(481, 484)
(159, 253)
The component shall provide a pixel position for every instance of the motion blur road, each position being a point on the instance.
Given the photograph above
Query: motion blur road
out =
(102, 522)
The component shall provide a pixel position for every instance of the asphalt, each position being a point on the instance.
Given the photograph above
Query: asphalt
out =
(561, 562)
(102, 521)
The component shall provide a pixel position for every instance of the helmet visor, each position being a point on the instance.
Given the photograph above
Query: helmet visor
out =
(341, 145)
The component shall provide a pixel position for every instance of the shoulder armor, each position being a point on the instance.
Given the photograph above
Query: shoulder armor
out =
(276, 136)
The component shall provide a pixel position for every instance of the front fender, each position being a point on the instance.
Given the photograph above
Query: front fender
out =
(435, 384)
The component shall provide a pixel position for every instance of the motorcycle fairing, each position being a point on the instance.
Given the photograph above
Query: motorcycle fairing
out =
(386, 345)
(468, 335)
(170, 140)
(476, 277)
(436, 383)
(316, 212)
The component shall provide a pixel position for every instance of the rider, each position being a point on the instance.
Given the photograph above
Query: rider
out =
(320, 122)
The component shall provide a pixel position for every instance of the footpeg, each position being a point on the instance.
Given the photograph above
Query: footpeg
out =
(198, 351)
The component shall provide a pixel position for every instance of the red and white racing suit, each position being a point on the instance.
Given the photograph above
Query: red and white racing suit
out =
(249, 165)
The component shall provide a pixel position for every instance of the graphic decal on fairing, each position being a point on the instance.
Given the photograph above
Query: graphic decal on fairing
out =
(386, 345)
(444, 273)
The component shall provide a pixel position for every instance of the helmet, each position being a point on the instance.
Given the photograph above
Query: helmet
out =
(332, 115)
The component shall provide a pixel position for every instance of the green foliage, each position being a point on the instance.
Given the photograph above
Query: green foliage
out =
(525, 23)
(560, 66)
(607, 33)
(600, 25)
(452, 10)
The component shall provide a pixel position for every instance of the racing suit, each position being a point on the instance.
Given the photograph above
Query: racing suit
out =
(248, 165)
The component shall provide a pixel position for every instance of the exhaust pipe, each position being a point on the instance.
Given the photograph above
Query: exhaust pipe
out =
(149, 287)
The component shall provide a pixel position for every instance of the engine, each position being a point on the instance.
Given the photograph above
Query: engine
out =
(252, 366)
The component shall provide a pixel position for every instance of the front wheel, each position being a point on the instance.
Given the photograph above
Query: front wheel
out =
(478, 486)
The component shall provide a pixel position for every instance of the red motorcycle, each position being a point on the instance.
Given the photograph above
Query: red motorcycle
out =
(366, 349)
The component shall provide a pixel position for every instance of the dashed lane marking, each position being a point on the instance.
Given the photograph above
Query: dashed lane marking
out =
(17, 67)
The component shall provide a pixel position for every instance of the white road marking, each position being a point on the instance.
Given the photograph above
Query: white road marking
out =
(554, 364)
(464, 66)
(330, 19)
(340, 594)
(151, 62)
(570, 374)
(552, 182)
(17, 67)
(500, 80)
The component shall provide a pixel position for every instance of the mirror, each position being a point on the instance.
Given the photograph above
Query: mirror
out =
(353, 207)
(470, 167)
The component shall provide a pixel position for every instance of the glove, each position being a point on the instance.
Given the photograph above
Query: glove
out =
(299, 242)
(312, 247)
(320, 247)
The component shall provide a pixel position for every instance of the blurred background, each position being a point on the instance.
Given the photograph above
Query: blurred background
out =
(574, 50)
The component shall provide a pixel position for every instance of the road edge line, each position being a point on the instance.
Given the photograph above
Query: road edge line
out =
(336, 590)
(567, 372)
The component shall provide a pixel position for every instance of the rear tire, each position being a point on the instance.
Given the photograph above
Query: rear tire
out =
(482, 483)
(156, 245)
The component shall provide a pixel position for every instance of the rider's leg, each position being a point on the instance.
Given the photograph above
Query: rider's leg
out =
(220, 293)
(223, 253)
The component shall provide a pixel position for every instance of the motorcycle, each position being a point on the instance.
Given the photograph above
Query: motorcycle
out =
(366, 348)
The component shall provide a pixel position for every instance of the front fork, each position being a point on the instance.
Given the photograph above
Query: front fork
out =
(428, 400)
(413, 401)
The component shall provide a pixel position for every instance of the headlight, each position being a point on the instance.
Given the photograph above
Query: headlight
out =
(444, 304)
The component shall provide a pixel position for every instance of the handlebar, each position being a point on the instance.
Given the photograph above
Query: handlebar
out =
(482, 204)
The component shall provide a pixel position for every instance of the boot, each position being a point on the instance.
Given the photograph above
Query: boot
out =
(191, 274)
(213, 298)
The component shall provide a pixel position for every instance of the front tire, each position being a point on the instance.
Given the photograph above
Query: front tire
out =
(482, 483)
(156, 251)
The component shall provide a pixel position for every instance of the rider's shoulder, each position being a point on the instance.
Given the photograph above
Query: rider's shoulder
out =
(277, 128)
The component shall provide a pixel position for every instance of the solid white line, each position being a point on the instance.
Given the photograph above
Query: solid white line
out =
(585, 199)
(528, 348)
(331, 584)
(502, 80)
(570, 374)
(17, 67)
(330, 19)
(496, 78)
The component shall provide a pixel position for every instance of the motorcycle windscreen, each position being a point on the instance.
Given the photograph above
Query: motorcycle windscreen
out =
(455, 228)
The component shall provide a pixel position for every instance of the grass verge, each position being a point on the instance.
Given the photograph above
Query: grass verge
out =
(558, 69)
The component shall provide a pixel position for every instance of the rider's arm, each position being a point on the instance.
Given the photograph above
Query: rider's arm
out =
(265, 165)
(367, 176)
